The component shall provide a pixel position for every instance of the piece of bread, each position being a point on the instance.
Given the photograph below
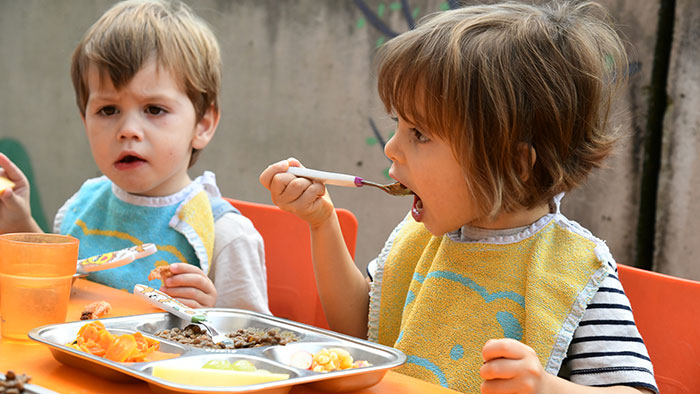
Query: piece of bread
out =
(5, 184)
(96, 310)
(161, 273)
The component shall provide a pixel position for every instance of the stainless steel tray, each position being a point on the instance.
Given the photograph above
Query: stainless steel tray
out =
(272, 358)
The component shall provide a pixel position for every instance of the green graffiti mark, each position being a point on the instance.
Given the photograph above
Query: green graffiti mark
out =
(380, 41)
(395, 6)
(380, 10)
(415, 13)
(386, 173)
(371, 141)
(361, 23)
(444, 6)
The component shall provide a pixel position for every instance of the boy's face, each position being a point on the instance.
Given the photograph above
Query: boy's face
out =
(142, 135)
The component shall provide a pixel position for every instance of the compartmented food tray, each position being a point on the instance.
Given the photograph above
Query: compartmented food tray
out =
(275, 358)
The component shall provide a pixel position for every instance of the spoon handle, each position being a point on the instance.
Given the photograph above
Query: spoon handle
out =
(169, 304)
(114, 259)
(330, 178)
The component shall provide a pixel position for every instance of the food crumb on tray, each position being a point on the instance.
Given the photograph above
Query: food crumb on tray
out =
(96, 310)
(13, 383)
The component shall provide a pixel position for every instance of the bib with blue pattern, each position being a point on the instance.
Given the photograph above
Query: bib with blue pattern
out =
(441, 300)
(182, 231)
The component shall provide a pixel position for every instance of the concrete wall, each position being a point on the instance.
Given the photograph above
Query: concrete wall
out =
(298, 81)
(678, 222)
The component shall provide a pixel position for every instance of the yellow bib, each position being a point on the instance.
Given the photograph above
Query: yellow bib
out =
(441, 300)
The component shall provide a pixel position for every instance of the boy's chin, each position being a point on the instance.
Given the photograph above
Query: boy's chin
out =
(137, 190)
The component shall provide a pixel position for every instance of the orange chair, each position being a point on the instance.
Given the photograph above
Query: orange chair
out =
(291, 283)
(667, 312)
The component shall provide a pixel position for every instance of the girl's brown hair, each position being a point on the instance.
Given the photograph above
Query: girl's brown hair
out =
(495, 79)
(132, 32)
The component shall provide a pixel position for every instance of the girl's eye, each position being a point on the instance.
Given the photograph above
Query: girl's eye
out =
(154, 110)
(420, 137)
(108, 110)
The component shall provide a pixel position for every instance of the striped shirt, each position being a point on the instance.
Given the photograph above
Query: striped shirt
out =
(607, 349)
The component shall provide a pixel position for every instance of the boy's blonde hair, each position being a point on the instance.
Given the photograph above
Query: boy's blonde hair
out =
(498, 81)
(131, 32)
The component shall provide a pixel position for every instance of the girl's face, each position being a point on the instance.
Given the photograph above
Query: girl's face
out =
(142, 135)
(426, 165)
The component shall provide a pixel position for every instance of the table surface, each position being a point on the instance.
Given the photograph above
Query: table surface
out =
(35, 359)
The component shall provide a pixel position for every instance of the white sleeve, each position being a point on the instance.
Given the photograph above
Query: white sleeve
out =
(58, 219)
(238, 267)
(607, 348)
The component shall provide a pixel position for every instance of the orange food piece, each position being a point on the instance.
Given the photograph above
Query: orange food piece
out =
(161, 273)
(96, 310)
(94, 338)
(122, 348)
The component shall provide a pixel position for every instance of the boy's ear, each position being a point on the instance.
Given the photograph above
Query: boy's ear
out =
(527, 157)
(205, 128)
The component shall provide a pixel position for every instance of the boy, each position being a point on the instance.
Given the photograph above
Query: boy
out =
(147, 77)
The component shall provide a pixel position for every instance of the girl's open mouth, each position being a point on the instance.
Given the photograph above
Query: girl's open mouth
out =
(417, 209)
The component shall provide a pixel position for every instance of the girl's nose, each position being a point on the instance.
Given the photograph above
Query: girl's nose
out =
(391, 148)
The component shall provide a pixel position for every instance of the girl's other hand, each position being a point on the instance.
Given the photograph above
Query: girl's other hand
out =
(15, 207)
(305, 198)
(511, 366)
(190, 285)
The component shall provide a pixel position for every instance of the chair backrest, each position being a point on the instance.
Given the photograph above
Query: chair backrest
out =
(291, 283)
(667, 312)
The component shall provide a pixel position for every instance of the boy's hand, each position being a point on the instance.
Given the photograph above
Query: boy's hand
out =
(15, 208)
(190, 285)
(300, 196)
(511, 366)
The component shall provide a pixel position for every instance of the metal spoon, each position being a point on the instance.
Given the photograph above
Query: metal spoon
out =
(333, 178)
(177, 308)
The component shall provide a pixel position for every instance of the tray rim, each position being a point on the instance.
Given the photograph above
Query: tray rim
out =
(136, 370)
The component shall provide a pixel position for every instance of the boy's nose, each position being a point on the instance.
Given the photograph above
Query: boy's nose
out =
(130, 128)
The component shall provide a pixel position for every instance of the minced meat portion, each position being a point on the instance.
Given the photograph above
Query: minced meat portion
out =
(194, 335)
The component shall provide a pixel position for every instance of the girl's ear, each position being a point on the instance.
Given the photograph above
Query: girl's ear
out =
(526, 157)
(205, 128)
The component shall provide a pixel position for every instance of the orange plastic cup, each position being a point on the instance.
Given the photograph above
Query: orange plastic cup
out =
(36, 271)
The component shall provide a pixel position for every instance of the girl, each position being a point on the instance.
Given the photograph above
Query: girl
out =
(500, 109)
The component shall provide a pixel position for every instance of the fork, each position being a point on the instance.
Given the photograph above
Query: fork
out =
(333, 178)
(177, 308)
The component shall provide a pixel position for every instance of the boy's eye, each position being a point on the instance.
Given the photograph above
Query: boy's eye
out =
(154, 110)
(107, 110)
